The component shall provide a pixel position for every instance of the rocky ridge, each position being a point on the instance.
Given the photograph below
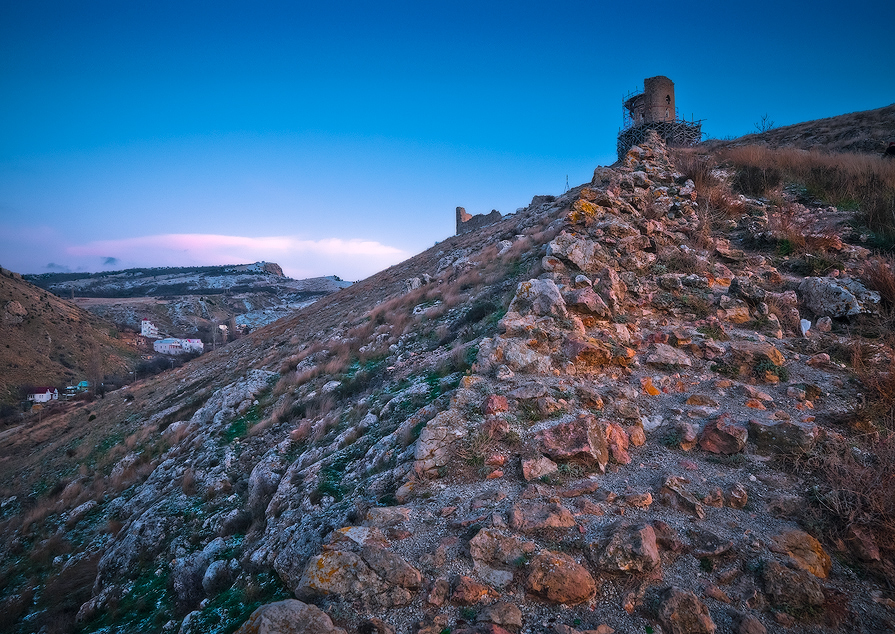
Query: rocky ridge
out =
(577, 427)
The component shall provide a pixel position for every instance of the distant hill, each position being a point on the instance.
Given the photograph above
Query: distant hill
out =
(189, 301)
(865, 132)
(45, 340)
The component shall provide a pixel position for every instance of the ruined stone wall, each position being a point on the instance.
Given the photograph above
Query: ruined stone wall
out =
(467, 222)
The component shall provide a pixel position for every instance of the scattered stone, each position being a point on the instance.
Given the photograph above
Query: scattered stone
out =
(681, 612)
(674, 494)
(289, 617)
(490, 546)
(750, 624)
(792, 589)
(502, 613)
(535, 516)
(737, 497)
(467, 591)
(439, 592)
(630, 548)
(537, 468)
(805, 551)
(558, 578)
(495, 404)
(584, 439)
(716, 593)
(832, 297)
(723, 436)
(714, 498)
(783, 436)
(664, 355)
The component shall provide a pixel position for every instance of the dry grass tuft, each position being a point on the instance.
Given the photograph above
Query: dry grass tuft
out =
(879, 275)
(851, 181)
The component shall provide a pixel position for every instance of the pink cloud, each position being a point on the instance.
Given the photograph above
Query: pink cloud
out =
(351, 259)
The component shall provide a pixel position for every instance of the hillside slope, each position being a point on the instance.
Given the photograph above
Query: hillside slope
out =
(49, 341)
(601, 413)
(865, 132)
(189, 301)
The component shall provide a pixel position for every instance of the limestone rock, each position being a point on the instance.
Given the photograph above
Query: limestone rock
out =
(750, 624)
(538, 297)
(630, 548)
(783, 436)
(468, 591)
(495, 404)
(374, 576)
(502, 613)
(723, 436)
(794, 589)
(558, 578)
(737, 497)
(666, 356)
(584, 439)
(586, 255)
(837, 297)
(805, 551)
(289, 617)
(536, 468)
(681, 612)
(437, 443)
(587, 301)
(535, 516)
(750, 353)
(675, 494)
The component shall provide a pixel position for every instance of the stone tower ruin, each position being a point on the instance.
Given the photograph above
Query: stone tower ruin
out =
(654, 109)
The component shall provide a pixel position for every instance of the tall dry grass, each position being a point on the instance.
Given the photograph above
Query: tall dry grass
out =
(853, 181)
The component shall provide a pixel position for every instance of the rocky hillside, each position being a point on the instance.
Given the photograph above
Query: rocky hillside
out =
(629, 409)
(188, 301)
(45, 340)
(865, 132)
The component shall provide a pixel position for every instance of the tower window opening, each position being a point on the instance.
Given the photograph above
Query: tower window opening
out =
(668, 99)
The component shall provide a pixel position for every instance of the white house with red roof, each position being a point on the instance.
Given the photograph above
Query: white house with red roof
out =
(43, 394)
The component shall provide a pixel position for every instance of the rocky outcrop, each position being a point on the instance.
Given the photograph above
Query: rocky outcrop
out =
(289, 617)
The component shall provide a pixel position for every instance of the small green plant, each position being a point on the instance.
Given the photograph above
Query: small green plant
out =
(765, 366)
(706, 564)
(713, 331)
(467, 614)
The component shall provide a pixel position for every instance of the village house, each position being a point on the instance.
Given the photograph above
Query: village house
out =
(178, 346)
(148, 329)
(43, 394)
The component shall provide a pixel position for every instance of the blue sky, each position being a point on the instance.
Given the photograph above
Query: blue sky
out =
(338, 137)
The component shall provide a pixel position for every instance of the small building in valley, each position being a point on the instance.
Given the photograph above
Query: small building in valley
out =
(178, 346)
(43, 394)
(148, 329)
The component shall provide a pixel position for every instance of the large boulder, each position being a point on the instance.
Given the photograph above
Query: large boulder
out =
(376, 577)
(783, 436)
(723, 436)
(536, 516)
(585, 254)
(796, 590)
(584, 439)
(538, 297)
(681, 612)
(560, 579)
(438, 442)
(630, 548)
(805, 552)
(837, 297)
(289, 617)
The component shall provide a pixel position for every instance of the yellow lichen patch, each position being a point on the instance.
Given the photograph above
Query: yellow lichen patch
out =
(583, 211)
(647, 384)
